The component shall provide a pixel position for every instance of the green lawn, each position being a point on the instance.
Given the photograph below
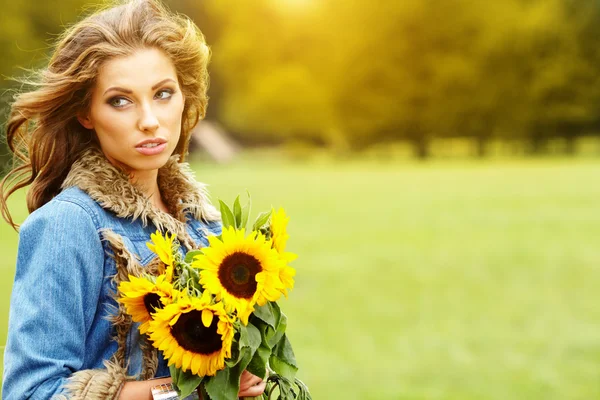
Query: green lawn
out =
(443, 280)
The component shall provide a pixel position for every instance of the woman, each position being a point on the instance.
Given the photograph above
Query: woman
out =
(101, 142)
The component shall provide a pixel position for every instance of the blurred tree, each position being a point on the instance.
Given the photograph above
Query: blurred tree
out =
(262, 60)
(27, 31)
(357, 73)
(349, 74)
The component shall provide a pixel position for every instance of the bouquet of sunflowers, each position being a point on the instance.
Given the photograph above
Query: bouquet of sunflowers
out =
(213, 312)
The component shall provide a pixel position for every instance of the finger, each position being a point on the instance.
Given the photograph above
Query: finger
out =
(250, 381)
(255, 390)
(244, 375)
(244, 378)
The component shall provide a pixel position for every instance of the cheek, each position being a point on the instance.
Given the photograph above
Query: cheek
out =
(173, 116)
(177, 109)
(110, 124)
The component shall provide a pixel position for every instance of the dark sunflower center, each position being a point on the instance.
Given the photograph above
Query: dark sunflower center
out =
(240, 274)
(152, 302)
(192, 335)
(237, 274)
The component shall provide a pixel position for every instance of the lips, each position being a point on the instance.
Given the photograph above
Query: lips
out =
(150, 147)
(149, 143)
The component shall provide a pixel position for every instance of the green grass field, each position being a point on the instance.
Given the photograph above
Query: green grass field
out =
(442, 280)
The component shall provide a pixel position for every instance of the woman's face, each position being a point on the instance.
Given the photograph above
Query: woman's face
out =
(136, 110)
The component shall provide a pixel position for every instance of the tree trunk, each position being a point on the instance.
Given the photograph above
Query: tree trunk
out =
(570, 145)
(537, 144)
(421, 144)
(482, 149)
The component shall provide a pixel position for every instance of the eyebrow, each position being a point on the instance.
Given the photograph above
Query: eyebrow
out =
(120, 89)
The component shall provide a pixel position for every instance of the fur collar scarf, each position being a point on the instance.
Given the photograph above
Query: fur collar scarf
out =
(110, 187)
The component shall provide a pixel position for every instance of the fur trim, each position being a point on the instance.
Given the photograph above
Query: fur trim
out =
(95, 384)
(127, 264)
(112, 189)
(149, 359)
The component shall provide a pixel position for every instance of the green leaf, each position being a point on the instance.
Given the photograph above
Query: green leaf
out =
(189, 256)
(282, 386)
(258, 364)
(236, 354)
(185, 382)
(262, 219)
(303, 392)
(249, 338)
(271, 323)
(175, 372)
(236, 346)
(266, 314)
(226, 215)
(225, 385)
(286, 391)
(279, 316)
(189, 275)
(270, 337)
(281, 327)
(254, 337)
(195, 278)
(243, 339)
(246, 211)
(283, 360)
(237, 212)
(260, 359)
(282, 367)
(184, 275)
(273, 337)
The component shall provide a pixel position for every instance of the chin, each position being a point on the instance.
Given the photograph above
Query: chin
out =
(148, 163)
(155, 163)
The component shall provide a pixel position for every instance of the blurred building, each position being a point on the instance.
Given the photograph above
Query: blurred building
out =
(211, 138)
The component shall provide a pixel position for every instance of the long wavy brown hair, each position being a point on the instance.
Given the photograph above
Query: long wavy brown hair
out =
(42, 128)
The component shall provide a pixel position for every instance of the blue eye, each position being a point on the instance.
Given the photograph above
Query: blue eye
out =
(118, 102)
(164, 94)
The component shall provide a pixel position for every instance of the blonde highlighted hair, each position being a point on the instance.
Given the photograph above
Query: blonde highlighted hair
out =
(42, 128)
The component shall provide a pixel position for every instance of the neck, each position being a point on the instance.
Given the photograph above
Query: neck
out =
(147, 181)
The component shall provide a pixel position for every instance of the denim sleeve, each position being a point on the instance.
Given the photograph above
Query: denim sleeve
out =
(57, 285)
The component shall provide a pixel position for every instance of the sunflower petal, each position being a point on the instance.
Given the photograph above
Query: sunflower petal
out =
(174, 320)
(187, 360)
(207, 317)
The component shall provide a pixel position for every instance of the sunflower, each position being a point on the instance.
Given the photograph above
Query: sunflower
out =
(194, 334)
(286, 275)
(241, 270)
(280, 236)
(163, 247)
(278, 229)
(142, 297)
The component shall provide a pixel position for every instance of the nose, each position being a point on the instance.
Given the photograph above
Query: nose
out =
(148, 122)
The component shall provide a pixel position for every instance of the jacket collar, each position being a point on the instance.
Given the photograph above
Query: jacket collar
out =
(110, 187)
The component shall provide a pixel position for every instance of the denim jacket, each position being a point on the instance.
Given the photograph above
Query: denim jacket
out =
(68, 338)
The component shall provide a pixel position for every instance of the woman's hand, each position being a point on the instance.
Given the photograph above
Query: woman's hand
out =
(251, 385)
